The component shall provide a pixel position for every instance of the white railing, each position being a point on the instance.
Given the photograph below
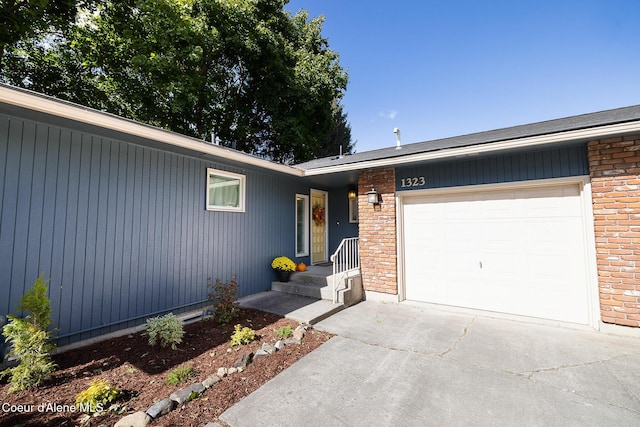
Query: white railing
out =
(344, 259)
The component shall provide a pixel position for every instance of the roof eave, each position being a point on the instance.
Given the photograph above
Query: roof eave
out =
(472, 150)
(36, 102)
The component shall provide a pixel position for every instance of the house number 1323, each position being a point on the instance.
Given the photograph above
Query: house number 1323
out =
(415, 181)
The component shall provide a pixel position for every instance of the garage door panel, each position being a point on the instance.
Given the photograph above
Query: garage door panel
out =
(515, 251)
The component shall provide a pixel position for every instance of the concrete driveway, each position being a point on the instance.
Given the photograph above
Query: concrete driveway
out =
(403, 365)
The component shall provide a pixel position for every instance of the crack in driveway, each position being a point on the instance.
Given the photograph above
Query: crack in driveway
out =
(460, 338)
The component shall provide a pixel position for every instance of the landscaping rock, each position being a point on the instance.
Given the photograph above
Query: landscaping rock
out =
(186, 394)
(231, 371)
(268, 348)
(222, 372)
(197, 387)
(279, 345)
(210, 381)
(137, 419)
(243, 361)
(161, 408)
(260, 353)
(298, 334)
(290, 341)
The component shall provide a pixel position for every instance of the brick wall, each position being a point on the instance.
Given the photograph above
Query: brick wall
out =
(378, 251)
(614, 165)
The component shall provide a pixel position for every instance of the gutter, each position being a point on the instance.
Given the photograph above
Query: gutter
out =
(473, 150)
(33, 101)
(27, 99)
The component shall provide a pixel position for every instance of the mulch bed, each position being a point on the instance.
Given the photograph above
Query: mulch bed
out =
(140, 371)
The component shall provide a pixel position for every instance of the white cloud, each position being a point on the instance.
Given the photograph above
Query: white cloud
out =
(388, 114)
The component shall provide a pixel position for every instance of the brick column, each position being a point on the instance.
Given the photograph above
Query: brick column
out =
(377, 230)
(614, 165)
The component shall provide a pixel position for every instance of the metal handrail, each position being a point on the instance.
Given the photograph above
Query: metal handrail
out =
(344, 259)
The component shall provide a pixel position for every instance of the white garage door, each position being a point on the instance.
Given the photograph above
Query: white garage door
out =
(518, 251)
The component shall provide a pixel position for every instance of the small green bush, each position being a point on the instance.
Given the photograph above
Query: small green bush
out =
(165, 329)
(99, 394)
(225, 299)
(30, 340)
(179, 374)
(242, 335)
(284, 332)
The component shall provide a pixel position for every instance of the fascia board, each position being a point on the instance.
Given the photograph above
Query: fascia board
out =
(23, 99)
(528, 142)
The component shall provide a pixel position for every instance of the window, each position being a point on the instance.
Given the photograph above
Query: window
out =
(353, 210)
(302, 225)
(225, 191)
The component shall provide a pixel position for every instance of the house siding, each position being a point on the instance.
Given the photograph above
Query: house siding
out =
(615, 186)
(339, 225)
(122, 231)
(509, 167)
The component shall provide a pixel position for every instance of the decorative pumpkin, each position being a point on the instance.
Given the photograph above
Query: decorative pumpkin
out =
(302, 267)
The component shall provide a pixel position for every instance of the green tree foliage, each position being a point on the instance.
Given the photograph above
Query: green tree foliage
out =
(245, 71)
(21, 19)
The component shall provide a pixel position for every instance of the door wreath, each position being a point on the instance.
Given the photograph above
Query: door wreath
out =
(318, 215)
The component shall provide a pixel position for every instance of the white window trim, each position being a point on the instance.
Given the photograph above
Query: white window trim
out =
(241, 197)
(305, 218)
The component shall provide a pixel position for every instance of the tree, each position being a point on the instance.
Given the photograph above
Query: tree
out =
(245, 71)
(25, 18)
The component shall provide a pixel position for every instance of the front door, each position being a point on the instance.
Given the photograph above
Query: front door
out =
(318, 226)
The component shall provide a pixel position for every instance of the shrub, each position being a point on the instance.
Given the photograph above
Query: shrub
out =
(242, 335)
(30, 340)
(284, 332)
(94, 398)
(166, 329)
(225, 299)
(179, 374)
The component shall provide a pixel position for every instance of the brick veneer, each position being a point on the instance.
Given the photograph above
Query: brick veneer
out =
(377, 230)
(614, 166)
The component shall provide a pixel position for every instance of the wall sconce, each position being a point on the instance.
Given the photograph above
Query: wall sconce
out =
(372, 197)
(352, 194)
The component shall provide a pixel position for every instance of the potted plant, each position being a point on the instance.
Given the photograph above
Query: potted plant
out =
(283, 267)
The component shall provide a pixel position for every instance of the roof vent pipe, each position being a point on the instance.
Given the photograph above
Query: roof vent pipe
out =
(397, 132)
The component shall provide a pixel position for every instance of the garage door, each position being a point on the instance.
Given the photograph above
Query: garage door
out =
(519, 251)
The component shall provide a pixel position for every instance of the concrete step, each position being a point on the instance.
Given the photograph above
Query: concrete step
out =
(295, 307)
(305, 289)
(316, 284)
(309, 278)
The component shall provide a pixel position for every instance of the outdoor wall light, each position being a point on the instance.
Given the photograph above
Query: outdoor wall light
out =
(352, 194)
(372, 197)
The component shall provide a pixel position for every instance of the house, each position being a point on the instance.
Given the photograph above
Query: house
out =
(130, 221)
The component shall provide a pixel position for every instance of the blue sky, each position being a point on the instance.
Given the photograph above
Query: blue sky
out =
(443, 68)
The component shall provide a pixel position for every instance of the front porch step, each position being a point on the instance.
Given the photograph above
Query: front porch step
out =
(310, 289)
(317, 282)
(294, 307)
(313, 283)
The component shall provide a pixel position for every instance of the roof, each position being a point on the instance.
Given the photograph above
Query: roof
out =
(581, 127)
(585, 127)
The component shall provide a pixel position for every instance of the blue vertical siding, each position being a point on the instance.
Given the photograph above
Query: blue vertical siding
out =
(122, 230)
(339, 225)
(521, 166)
